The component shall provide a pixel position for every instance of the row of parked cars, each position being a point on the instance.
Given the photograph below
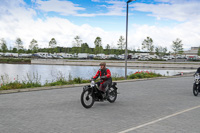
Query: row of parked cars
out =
(49, 56)
(15, 55)
(162, 58)
(100, 56)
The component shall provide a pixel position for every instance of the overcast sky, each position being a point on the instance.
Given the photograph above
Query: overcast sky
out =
(162, 20)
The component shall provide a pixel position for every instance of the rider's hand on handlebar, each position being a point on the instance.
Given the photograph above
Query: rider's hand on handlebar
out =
(92, 79)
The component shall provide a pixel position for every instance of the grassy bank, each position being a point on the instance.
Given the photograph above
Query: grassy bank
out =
(34, 81)
(15, 61)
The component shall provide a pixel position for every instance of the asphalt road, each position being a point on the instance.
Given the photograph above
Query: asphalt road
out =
(150, 106)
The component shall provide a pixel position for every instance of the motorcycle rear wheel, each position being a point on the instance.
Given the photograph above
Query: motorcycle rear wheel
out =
(112, 95)
(195, 89)
(87, 99)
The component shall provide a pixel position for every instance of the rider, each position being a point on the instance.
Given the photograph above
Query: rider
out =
(105, 76)
(198, 70)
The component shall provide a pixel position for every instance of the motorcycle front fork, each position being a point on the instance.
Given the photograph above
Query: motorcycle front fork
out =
(198, 85)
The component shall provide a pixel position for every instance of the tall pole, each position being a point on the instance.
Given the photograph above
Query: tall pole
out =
(126, 53)
(126, 40)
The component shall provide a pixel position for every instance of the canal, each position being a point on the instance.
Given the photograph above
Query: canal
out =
(49, 73)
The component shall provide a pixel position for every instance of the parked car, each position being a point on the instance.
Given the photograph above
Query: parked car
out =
(36, 56)
(143, 58)
(49, 56)
(83, 55)
(165, 58)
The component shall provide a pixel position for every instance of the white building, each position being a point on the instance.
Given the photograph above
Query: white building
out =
(192, 51)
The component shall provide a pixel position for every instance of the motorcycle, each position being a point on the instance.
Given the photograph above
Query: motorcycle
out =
(91, 93)
(196, 85)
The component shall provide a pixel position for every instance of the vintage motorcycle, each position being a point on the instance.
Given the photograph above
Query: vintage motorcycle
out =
(196, 85)
(91, 94)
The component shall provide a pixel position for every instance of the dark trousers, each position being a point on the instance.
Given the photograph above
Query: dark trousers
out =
(107, 84)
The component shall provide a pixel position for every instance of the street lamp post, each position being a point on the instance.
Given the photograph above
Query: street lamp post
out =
(126, 36)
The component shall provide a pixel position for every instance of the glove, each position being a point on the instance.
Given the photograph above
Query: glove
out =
(101, 80)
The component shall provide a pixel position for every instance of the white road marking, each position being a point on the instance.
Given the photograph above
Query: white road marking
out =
(160, 119)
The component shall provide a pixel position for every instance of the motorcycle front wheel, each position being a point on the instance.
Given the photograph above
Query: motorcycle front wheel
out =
(195, 89)
(112, 95)
(87, 99)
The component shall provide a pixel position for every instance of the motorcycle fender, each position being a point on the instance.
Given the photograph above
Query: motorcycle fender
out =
(114, 85)
(115, 88)
(86, 87)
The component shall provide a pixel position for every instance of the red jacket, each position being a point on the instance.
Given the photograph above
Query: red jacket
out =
(106, 72)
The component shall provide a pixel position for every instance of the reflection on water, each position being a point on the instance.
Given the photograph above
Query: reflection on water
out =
(51, 72)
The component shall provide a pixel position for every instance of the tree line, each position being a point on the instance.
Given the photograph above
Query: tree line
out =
(80, 47)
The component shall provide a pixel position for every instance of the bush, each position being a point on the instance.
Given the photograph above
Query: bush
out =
(77, 80)
(34, 81)
(18, 85)
(13, 60)
(143, 74)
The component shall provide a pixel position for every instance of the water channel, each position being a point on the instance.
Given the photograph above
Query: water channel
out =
(49, 73)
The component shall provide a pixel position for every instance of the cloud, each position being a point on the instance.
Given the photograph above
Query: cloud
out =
(179, 10)
(184, 11)
(113, 8)
(17, 20)
(62, 7)
(95, 0)
(188, 32)
(163, 0)
(174, 10)
(116, 8)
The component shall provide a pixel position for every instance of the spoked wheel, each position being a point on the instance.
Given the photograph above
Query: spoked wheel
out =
(86, 99)
(112, 95)
(195, 89)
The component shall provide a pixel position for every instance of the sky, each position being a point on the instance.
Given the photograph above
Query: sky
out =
(162, 20)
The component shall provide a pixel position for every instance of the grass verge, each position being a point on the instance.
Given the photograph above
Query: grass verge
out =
(34, 81)
(15, 61)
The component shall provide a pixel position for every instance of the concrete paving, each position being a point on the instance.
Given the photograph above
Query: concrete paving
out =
(119, 63)
(146, 106)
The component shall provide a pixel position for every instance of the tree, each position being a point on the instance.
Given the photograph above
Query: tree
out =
(33, 46)
(85, 48)
(98, 45)
(19, 45)
(52, 44)
(107, 51)
(76, 44)
(148, 44)
(14, 50)
(164, 50)
(199, 51)
(3, 45)
(177, 47)
(161, 51)
(121, 43)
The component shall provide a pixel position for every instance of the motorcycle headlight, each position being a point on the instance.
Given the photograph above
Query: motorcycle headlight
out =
(92, 83)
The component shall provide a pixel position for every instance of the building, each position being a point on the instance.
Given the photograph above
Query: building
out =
(192, 51)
